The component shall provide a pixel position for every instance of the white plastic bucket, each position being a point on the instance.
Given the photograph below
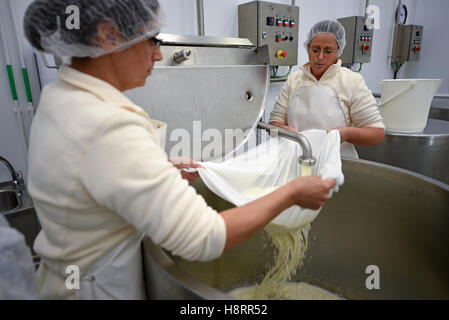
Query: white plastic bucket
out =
(406, 103)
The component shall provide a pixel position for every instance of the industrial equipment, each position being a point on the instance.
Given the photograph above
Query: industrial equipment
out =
(382, 216)
(206, 88)
(359, 41)
(272, 24)
(407, 43)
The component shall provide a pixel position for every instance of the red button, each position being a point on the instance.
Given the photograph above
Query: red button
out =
(365, 47)
(417, 49)
(284, 54)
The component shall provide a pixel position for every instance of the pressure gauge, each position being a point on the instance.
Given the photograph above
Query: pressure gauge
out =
(401, 16)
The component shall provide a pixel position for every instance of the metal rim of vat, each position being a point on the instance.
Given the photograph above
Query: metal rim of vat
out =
(422, 138)
(201, 290)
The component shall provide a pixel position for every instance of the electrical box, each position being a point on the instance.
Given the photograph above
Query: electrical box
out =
(272, 24)
(359, 41)
(407, 43)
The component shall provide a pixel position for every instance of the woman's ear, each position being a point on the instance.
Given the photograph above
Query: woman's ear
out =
(109, 37)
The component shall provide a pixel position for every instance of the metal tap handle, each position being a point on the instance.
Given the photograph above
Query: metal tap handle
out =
(46, 63)
(14, 175)
(306, 158)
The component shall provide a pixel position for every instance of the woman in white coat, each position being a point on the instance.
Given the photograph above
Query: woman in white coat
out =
(98, 175)
(325, 95)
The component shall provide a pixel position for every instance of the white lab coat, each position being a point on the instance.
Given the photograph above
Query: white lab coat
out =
(100, 180)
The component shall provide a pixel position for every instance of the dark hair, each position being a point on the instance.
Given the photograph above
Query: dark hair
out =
(45, 17)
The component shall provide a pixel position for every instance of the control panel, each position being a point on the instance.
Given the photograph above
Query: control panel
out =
(272, 24)
(407, 43)
(359, 41)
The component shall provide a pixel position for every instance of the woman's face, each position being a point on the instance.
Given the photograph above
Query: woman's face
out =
(322, 53)
(137, 62)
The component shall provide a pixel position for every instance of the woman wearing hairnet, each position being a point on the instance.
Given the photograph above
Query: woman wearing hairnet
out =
(98, 175)
(324, 95)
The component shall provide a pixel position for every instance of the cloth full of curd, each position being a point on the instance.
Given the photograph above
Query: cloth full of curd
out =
(270, 165)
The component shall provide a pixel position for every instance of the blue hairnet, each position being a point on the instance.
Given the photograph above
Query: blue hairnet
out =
(332, 27)
(46, 25)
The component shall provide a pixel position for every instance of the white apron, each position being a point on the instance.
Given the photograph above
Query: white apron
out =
(318, 107)
(116, 276)
(119, 274)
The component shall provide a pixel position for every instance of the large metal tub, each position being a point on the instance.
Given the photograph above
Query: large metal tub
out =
(217, 94)
(426, 153)
(394, 219)
(439, 109)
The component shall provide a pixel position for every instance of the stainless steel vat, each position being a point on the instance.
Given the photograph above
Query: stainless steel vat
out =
(440, 109)
(439, 113)
(426, 153)
(394, 219)
(220, 86)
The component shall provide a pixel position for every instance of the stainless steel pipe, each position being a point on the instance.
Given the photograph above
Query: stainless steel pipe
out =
(306, 158)
(200, 16)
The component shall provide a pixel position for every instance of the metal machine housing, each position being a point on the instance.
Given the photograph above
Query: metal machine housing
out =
(359, 41)
(407, 43)
(258, 22)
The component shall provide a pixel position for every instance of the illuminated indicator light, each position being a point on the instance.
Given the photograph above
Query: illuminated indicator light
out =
(292, 24)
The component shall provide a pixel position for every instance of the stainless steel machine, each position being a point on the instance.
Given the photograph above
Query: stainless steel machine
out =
(383, 216)
(274, 25)
(359, 41)
(407, 43)
(206, 83)
(209, 88)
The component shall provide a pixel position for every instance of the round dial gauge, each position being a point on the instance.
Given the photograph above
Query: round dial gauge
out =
(401, 16)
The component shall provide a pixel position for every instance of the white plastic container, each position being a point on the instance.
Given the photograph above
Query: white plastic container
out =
(406, 103)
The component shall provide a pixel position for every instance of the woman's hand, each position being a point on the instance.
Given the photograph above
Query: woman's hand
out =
(344, 133)
(186, 163)
(311, 192)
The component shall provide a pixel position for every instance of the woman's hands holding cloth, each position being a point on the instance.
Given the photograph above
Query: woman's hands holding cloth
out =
(181, 163)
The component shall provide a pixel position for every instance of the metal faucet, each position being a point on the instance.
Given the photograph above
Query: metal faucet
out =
(15, 175)
(306, 158)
